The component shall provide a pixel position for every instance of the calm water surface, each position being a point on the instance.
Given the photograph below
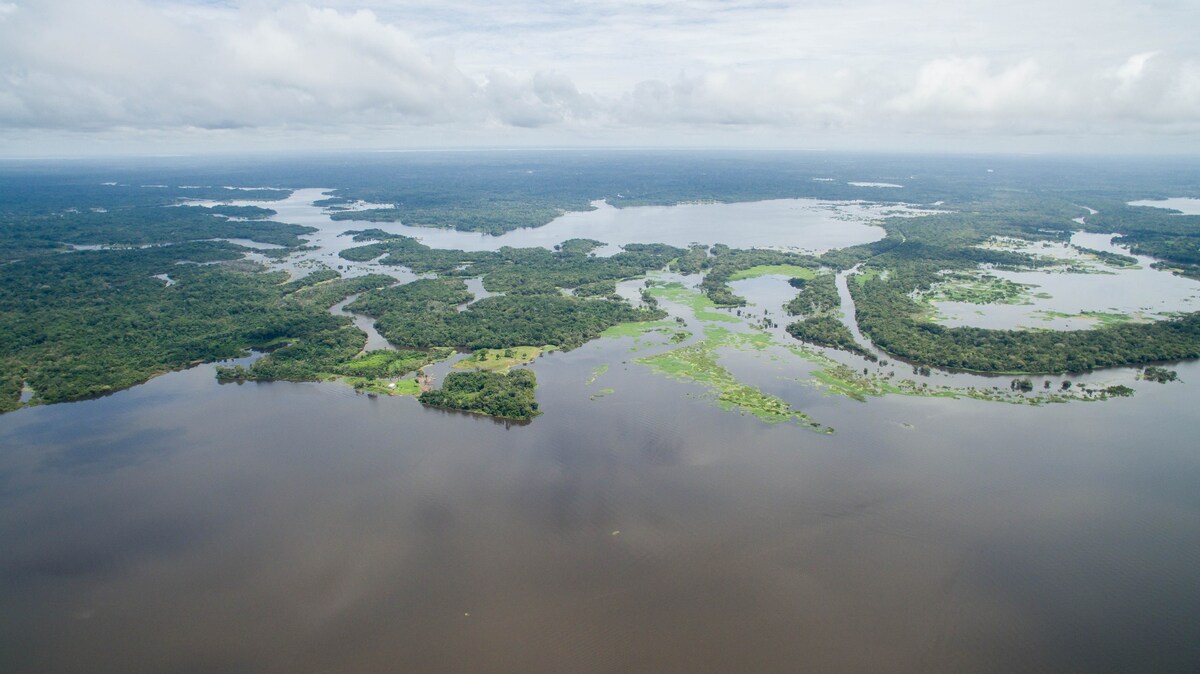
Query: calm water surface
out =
(1185, 205)
(189, 526)
(809, 225)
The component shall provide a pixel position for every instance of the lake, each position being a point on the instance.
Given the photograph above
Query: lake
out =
(184, 525)
(804, 225)
(1057, 299)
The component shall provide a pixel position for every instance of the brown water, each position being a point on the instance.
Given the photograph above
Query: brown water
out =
(189, 526)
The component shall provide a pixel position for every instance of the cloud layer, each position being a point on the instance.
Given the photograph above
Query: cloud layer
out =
(599, 70)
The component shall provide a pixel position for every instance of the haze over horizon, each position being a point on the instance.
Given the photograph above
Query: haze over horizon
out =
(166, 76)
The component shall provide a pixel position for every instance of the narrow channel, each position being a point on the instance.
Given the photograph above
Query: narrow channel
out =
(364, 323)
(850, 317)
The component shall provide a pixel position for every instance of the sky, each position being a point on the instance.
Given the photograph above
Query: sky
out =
(81, 77)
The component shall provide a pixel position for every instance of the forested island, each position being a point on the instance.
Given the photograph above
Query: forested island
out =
(103, 286)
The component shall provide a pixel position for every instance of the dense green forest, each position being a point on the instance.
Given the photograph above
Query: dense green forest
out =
(501, 322)
(533, 312)
(825, 330)
(160, 294)
(76, 325)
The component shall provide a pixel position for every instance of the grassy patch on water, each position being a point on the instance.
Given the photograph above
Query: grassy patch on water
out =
(703, 308)
(698, 363)
(596, 372)
(638, 329)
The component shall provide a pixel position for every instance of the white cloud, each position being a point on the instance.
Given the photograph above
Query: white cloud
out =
(780, 96)
(598, 69)
(975, 92)
(82, 63)
(538, 99)
(1131, 71)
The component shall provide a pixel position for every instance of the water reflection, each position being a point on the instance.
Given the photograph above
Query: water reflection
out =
(309, 530)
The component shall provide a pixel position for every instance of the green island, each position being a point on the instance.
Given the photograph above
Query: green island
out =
(1159, 374)
(1111, 259)
(502, 395)
(105, 285)
(596, 373)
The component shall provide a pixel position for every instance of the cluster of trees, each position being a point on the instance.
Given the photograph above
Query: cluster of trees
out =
(426, 313)
(578, 246)
(818, 296)
(334, 350)
(507, 396)
(1159, 374)
(825, 330)
(492, 217)
(306, 358)
(244, 212)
